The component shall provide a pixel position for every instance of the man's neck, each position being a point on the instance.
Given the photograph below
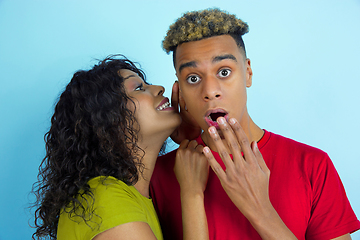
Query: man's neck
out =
(252, 131)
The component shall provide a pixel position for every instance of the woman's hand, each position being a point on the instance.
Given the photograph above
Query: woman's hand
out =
(189, 128)
(191, 167)
(192, 171)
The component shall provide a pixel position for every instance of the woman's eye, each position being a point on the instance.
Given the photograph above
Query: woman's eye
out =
(224, 73)
(193, 79)
(139, 88)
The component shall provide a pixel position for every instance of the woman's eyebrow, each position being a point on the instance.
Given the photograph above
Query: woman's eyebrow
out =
(129, 76)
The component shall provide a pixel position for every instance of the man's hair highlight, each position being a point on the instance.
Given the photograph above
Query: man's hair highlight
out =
(198, 25)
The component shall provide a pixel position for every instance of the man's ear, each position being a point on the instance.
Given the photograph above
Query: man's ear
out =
(181, 98)
(249, 73)
(177, 80)
(180, 92)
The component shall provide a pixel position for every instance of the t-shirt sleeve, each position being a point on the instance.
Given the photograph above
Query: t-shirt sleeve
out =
(331, 213)
(114, 205)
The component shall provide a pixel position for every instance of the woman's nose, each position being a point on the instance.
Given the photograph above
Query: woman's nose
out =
(158, 90)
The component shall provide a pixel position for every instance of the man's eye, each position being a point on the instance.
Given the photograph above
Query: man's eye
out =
(193, 79)
(224, 73)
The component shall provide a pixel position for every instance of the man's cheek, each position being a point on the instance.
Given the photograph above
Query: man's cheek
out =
(194, 112)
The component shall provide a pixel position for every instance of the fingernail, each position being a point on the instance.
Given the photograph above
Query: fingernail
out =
(221, 120)
(232, 121)
(206, 150)
(212, 130)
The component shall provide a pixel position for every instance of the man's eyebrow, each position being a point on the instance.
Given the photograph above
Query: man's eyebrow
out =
(215, 59)
(188, 64)
(222, 57)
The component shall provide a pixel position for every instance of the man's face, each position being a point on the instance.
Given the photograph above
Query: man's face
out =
(213, 75)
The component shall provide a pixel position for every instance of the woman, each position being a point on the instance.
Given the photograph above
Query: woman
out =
(106, 133)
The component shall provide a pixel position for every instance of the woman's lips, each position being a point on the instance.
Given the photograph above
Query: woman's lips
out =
(164, 105)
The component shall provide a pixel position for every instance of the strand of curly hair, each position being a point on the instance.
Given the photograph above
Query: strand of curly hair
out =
(91, 135)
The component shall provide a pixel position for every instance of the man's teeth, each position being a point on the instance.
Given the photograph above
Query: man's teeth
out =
(209, 117)
(165, 105)
(214, 116)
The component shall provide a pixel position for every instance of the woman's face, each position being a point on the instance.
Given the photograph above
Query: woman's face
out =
(153, 111)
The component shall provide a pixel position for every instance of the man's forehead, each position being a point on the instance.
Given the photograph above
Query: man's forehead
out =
(213, 59)
(213, 49)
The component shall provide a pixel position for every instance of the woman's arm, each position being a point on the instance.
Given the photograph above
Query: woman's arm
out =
(128, 231)
(192, 170)
(344, 237)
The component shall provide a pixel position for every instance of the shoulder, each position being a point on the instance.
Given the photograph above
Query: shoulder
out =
(107, 184)
(110, 193)
(112, 203)
(283, 152)
(117, 202)
(284, 144)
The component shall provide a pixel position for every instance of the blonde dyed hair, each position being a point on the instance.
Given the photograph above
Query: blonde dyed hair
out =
(197, 25)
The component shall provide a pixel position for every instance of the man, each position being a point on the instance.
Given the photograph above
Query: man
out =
(276, 189)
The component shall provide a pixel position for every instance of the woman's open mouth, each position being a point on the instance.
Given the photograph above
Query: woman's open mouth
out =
(164, 105)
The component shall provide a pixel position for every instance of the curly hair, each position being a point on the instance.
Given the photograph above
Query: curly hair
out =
(92, 134)
(198, 25)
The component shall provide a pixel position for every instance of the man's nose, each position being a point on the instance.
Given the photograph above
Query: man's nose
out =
(211, 88)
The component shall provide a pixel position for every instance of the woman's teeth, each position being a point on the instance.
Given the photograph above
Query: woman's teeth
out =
(165, 105)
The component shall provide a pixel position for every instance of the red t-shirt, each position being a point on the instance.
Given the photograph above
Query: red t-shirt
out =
(304, 188)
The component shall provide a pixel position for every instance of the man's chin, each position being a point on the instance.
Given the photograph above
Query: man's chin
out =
(217, 129)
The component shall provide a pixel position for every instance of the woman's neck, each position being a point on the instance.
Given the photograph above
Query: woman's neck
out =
(148, 161)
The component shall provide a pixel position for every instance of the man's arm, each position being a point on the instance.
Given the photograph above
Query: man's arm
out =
(246, 180)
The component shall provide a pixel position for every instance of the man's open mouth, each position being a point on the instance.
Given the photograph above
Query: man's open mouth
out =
(213, 115)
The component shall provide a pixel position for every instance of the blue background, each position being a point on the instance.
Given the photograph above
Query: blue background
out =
(305, 57)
